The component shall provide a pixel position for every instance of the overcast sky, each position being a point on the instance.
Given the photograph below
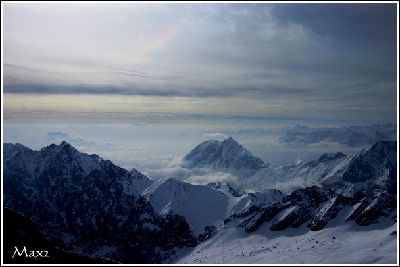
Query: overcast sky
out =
(326, 61)
(143, 84)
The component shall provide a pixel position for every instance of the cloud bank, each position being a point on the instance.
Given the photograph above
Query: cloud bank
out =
(334, 60)
(351, 136)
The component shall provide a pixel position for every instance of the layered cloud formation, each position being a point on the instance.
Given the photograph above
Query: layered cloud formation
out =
(281, 60)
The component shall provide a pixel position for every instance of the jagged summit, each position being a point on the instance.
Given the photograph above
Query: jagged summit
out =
(226, 188)
(227, 155)
(63, 146)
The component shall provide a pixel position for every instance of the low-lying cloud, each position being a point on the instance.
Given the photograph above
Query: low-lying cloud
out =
(351, 136)
(78, 142)
(215, 135)
(174, 167)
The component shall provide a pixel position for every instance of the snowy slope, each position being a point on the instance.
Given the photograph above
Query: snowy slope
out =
(200, 205)
(337, 244)
(307, 226)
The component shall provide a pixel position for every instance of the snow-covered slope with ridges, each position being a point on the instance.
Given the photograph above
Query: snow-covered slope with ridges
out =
(227, 155)
(307, 226)
(314, 207)
(200, 205)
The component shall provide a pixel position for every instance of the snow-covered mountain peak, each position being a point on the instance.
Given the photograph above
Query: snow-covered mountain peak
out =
(227, 155)
(63, 146)
(65, 151)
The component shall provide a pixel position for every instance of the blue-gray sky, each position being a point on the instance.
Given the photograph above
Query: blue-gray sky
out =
(142, 84)
(327, 61)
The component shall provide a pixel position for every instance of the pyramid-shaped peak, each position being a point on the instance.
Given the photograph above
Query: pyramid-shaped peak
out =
(227, 155)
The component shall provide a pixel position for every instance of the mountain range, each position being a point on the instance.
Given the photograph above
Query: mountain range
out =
(373, 167)
(87, 205)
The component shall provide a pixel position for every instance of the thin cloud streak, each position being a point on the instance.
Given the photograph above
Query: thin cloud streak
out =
(288, 56)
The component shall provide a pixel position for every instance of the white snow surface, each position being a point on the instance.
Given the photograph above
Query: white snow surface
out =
(338, 243)
(201, 205)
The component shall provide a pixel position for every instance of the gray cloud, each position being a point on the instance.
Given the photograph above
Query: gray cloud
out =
(215, 135)
(338, 60)
(79, 142)
(351, 136)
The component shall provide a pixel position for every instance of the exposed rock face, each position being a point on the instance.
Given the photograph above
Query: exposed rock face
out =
(375, 167)
(302, 208)
(372, 207)
(328, 212)
(256, 216)
(315, 207)
(226, 188)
